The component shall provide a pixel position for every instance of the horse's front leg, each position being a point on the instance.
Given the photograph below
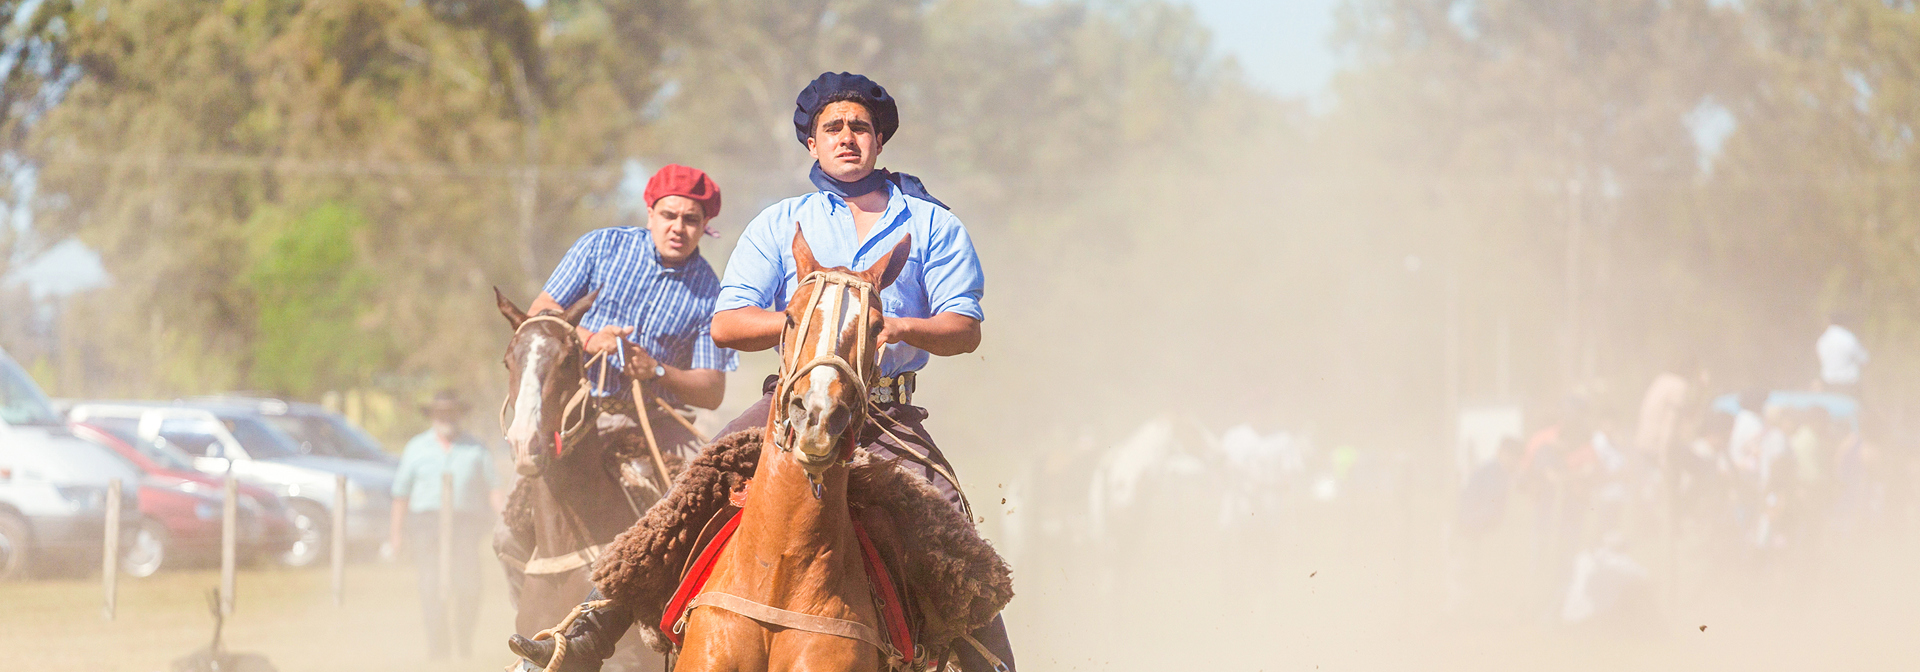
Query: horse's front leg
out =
(798, 651)
(722, 641)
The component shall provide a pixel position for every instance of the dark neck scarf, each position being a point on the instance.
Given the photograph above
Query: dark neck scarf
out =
(874, 181)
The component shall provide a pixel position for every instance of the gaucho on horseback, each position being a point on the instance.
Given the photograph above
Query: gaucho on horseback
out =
(615, 343)
(824, 529)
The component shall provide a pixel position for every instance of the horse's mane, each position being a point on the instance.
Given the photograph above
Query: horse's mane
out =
(961, 582)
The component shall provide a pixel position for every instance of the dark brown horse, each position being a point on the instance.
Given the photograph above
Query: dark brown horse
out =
(570, 475)
(795, 549)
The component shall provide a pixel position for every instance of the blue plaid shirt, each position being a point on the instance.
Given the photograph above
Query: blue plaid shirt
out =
(669, 307)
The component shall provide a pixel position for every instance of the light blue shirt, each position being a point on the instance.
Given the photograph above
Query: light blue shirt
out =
(425, 459)
(942, 274)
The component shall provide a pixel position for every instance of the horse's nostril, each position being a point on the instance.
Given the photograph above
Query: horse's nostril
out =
(838, 420)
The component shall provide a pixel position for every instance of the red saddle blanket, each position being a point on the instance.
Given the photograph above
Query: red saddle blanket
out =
(695, 581)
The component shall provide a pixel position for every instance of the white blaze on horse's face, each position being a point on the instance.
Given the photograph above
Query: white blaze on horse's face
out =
(823, 416)
(525, 427)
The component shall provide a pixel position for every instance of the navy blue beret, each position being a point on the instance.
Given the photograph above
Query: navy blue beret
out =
(844, 86)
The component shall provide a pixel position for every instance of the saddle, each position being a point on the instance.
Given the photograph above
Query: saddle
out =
(933, 584)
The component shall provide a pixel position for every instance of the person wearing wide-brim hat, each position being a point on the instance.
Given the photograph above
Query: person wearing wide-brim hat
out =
(445, 449)
(445, 404)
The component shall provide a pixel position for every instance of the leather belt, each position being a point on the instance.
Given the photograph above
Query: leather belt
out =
(894, 389)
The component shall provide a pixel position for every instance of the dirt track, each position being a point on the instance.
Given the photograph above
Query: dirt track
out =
(1335, 590)
(287, 615)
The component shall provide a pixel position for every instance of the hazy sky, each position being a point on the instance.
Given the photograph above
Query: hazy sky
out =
(1282, 44)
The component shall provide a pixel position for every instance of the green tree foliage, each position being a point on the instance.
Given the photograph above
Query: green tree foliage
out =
(312, 292)
(1483, 170)
(193, 118)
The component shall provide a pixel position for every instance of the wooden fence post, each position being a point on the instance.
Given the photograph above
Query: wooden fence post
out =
(110, 550)
(229, 537)
(339, 544)
(446, 554)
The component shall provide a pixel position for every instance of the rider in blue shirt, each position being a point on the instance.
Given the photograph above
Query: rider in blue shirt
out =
(857, 215)
(654, 299)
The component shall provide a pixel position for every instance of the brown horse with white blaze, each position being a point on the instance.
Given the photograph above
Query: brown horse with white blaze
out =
(569, 471)
(795, 548)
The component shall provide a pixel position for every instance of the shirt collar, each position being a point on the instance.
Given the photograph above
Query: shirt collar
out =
(896, 207)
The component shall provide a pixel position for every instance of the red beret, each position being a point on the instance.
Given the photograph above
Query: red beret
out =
(678, 180)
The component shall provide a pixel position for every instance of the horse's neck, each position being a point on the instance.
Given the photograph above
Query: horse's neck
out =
(578, 504)
(803, 543)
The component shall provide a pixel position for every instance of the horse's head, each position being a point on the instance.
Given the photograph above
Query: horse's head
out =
(546, 396)
(830, 354)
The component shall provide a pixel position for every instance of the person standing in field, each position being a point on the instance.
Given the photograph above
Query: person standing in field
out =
(445, 449)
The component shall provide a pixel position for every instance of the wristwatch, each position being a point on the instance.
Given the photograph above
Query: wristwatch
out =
(659, 371)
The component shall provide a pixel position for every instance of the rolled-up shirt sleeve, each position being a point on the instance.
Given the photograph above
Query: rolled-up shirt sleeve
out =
(954, 280)
(574, 275)
(756, 273)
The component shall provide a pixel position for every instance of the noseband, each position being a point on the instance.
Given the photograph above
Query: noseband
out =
(856, 371)
(577, 416)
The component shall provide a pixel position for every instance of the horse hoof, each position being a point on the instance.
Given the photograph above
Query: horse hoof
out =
(537, 651)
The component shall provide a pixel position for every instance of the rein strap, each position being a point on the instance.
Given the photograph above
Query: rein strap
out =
(837, 627)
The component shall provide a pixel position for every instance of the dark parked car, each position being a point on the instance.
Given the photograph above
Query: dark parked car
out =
(180, 508)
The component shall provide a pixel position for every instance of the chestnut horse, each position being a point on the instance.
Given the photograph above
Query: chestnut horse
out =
(569, 473)
(795, 548)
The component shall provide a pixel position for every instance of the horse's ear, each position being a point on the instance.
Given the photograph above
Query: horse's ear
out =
(803, 262)
(511, 312)
(579, 308)
(883, 272)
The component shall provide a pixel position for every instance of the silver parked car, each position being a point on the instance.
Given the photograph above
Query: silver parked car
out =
(319, 431)
(220, 436)
(53, 485)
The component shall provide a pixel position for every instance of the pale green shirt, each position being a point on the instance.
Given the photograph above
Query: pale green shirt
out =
(426, 458)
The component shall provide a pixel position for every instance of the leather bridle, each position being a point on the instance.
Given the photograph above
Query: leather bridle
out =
(858, 372)
(577, 416)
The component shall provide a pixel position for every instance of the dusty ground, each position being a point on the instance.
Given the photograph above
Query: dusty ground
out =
(288, 615)
(1333, 589)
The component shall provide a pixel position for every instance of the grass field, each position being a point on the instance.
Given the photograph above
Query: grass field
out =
(287, 615)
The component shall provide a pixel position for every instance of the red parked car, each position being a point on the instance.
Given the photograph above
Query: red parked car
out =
(180, 508)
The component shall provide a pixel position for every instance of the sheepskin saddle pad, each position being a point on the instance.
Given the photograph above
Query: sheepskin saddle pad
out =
(953, 580)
